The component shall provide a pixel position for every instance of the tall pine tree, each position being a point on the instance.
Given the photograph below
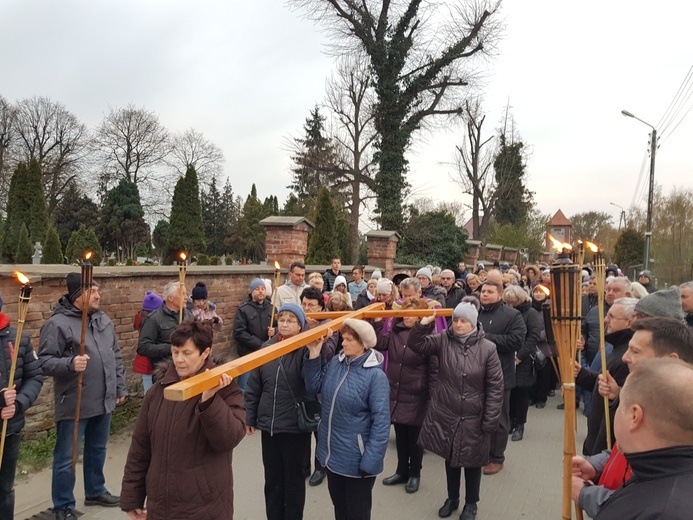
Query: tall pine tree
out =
(52, 252)
(187, 231)
(81, 241)
(24, 249)
(513, 199)
(122, 224)
(323, 245)
(216, 216)
(73, 210)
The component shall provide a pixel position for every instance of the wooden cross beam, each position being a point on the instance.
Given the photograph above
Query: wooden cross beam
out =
(195, 385)
(401, 313)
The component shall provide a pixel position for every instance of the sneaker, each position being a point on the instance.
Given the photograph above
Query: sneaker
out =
(104, 499)
(64, 514)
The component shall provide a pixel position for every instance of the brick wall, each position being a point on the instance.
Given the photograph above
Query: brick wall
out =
(122, 290)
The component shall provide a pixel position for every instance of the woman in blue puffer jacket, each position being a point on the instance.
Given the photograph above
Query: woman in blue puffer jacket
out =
(355, 424)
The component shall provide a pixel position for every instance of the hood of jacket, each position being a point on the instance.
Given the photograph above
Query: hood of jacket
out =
(369, 359)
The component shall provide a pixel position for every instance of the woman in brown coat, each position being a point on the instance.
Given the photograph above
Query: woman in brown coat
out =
(466, 401)
(180, 456)
(411, 376)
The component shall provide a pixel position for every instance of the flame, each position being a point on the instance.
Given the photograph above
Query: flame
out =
(545, 289)
(23, 279)
(555, 243)
(593, 247)
(88, 255)
(579, 241)
(276, 265)
(183, 256)
(567, 246)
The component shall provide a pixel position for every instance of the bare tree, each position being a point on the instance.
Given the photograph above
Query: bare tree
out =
(133, 145)
(422, 56)
(7, 117)
(48, 132)
(474, 160)
(191, 148)
(350, 99)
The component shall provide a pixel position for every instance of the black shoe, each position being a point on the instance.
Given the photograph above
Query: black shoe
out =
(316, 478)
(448, 507)
(540, 405)
(518, 433)
(552, 393)
(104, 499)
(395, 479)
(560, 406)
(64, 514)
(412, 485)
(469, 512)
(531, 402)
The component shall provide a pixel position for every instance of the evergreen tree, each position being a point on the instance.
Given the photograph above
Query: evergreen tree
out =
(24, 249)
(323, 245)
(122, 224)
(25, 205)
(215, 215)
(629, 248)
(187, 232)
(73, 210)
(81, 241)
(159, 239)
(513, 200)
(52, 252)
(432, 237)
(249, 236)
(314, 163)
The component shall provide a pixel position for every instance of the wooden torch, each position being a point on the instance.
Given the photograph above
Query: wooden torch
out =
(86, 283)
(566, 317)
(24, 298)
(274, 292)
(181, 278)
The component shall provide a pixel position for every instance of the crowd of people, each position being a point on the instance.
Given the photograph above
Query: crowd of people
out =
(459, 387)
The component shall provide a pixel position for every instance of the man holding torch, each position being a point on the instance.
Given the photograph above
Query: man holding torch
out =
(104, 387)
(28, 380)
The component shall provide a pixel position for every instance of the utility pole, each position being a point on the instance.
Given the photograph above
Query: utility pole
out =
(650, 196)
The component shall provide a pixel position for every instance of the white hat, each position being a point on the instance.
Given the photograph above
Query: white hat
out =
(364, 331)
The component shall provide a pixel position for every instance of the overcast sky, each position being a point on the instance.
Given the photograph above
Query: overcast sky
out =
(246, 74)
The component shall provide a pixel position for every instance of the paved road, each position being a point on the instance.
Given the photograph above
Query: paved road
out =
(529, 487)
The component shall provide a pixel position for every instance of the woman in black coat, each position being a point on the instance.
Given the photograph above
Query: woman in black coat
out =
(410, 375)
(466, 401)
(525, 373)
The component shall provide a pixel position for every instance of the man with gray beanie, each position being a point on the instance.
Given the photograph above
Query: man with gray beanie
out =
(104, 387)
(251, 326)
(661, 304)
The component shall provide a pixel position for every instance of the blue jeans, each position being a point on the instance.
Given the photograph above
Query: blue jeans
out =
(242, 381)
(146, 382)
(94, 431)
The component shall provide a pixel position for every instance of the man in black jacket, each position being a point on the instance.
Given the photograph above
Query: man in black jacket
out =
(251, 326)
(331, 274)
(28, 380)
(155, 342)
(654, 431)
(454, 294)
(504, 327)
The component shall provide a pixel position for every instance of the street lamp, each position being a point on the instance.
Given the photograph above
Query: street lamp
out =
(653, 151)
(621, 218)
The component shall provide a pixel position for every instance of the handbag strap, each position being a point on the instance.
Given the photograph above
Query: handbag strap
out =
(286, 378)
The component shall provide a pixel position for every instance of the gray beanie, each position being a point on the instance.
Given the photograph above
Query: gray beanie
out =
(255, 283)
(466, 311)
(661, 304)
(377, 274)
(425, 271)
(364, 331)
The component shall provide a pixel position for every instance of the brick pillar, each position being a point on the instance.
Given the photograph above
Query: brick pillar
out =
(286, 239)
(493, 253)
(473, 254)
(382, 250)
(509, 255)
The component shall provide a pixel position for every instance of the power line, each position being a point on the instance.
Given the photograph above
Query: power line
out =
(678, 92)
(637, 185)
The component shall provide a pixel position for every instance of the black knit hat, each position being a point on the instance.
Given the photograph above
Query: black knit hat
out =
(74, 286)
(199, 292)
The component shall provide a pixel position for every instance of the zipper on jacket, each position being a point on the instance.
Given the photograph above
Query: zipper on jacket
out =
(329, 420)
(274, 401)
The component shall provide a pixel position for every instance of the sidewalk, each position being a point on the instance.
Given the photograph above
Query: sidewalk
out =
(529, 487)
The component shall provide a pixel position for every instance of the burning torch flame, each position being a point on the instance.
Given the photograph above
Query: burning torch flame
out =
(183, 256)
(23, 279)
(555, 243)
(544, 289)
(276, 265)
(593, 247)
(88, 255)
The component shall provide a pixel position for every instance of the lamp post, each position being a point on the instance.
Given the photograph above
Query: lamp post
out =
(621, 218)
(650, 193)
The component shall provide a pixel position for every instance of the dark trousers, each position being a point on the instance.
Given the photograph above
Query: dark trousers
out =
(544, 383)
(472, 483)
(519, 403)
(409, 454)
(316, 462)
(352, 497)
(499, 440)
(7, 472)
(283, 455)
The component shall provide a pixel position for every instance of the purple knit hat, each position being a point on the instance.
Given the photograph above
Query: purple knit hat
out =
(151, 302)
